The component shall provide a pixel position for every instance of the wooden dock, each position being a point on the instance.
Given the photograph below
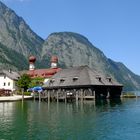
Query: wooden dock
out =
(63, 96)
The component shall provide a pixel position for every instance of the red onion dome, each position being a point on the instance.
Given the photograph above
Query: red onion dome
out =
(32, 59)
(54, 59)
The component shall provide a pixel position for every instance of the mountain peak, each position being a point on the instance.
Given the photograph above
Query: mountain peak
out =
(77, 36)
(2, 5)
(18, 42)
(3, 8)
(74, 49)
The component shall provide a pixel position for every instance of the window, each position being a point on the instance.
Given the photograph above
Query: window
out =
(8, 83)
(62, 80)
(4, 84)
(75, 79)
(52, 81)
(109, 79)
(99, 78)
(4, 76)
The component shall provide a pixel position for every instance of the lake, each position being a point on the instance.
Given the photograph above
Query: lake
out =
(103, 120)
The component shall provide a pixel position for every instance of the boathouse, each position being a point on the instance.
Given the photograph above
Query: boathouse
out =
(82, 83)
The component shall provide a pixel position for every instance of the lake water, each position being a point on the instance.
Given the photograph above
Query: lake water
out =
(104, 120)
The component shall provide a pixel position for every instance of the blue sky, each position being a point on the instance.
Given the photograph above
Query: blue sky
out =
(111, 25)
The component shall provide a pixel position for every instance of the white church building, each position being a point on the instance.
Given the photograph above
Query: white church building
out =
(8, 79)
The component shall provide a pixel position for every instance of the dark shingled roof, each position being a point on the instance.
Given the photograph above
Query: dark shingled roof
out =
(11, 74)
(80, 76)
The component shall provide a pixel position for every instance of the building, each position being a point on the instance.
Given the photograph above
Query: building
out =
(8, 79)
(82, 82)
(43, 73)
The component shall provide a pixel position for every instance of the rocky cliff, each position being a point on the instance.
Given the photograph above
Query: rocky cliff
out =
(18, 41)
(16, 35)
(75, 50)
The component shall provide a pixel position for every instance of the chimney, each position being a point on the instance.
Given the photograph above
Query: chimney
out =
(10, 70)
(32, 60)
(54, 61)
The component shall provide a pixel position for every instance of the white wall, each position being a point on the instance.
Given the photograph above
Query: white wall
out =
(46, 80)
(9, 84)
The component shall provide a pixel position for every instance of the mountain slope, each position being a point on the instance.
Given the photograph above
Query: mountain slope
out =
(10, 59)
(17, 35)
(124, 75)
(73, 49)
(18, 41)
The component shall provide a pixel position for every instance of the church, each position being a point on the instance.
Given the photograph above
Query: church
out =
(43, 73)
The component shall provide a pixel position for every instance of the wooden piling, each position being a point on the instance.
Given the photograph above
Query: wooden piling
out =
(94, 94)
(57, 92)
(65, 94)
(108, 94)
(81, 92)
(39, 96)
(76, 96)
(48, 96)
(22, 94)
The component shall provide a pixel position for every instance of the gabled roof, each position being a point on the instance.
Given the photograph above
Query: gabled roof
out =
(11, 74)
(80, 76)
(45, 73)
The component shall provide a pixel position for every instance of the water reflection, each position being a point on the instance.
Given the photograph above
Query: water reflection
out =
(85, 105)
(110, 102)
(98, 120)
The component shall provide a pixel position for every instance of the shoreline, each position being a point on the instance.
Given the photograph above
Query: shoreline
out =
(19, 97)
(14, 98)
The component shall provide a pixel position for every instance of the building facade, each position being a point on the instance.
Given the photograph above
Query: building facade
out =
(47, 73)
(8, 79)
(82, 82)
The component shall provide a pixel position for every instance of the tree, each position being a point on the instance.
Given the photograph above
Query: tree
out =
(37, 81)
(24, 82)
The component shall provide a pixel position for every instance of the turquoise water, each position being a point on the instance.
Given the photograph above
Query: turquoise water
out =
(105, 120)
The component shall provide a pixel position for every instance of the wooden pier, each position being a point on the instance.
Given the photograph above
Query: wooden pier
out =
(80, 83)
(65, 95)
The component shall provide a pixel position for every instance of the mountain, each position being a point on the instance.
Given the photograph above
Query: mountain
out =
(74, 49)
(17, 37)
(18, 41)
(10, 59)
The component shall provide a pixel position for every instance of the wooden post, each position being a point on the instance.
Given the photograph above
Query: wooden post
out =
(34, 95)
(45, 95)
(94, 94)
(65, 93)
(22, 94)
(76, 94)
(108, 95)
(57, 95)
(53, 94)
(39, 96)
(81, 94)
(48, 96)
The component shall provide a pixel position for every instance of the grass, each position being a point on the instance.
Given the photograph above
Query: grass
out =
(128, 95)
(25, 93)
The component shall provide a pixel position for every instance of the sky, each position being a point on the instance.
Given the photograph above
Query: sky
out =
(113, 26)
